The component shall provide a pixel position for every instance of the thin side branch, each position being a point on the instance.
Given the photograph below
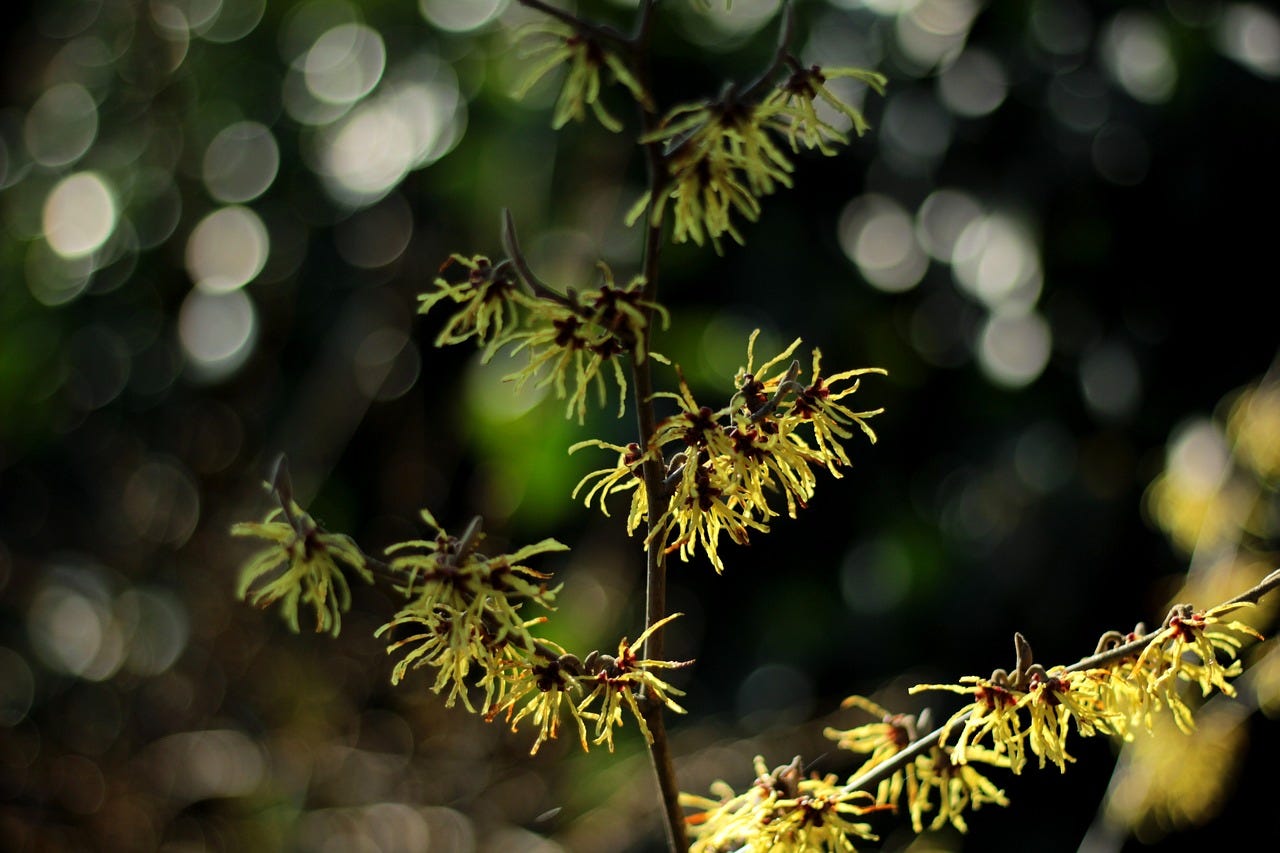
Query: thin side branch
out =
(581, 25)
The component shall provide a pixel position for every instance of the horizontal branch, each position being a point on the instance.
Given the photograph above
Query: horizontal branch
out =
(900, 759)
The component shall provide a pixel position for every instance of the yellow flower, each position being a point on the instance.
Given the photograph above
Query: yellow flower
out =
(454, 644)
(305, 561)
(719, 159)
(993, 714)
(622, 312)
(880, 741)
(819, 405)
(625, 476)
(618, 679)
(586, 58)
(1055, 697)
(488, 297)
(781, 811)
(1186, 651)
(572, 338)
(704, 505)
(792, 106)
(561, 348)
(546, 685)
(959, 787)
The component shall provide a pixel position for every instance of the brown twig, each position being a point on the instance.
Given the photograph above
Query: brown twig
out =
(653, 468)
(579, 24)
(900, 759)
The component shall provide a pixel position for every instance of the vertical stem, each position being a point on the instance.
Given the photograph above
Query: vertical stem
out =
(655, 488)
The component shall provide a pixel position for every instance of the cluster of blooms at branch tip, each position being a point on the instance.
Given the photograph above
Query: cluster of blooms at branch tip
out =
(584, 55)
(782, 810)
(300, 567)
(571, 339)
(721, 157)
(931, 775)
(462, 617)
(1135, 678)
(731, 463)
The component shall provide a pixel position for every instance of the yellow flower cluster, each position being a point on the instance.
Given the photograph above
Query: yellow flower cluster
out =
(300, 567)
(462, 618)
(732, 462)
(783, 810)
(569, 339)
(933, 774)
(1035, 710)
(721, 157)
(465, 609)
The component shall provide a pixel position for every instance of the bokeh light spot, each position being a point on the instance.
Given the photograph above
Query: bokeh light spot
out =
(345, 63)
(1136, 52)
(916, 130)
(155, 207)
(79, 214)
(227, 249)
(234, 20)
(974, 85)
(878, 235)
(17, 687)
(495, 400)
(241, 162)
(1197, 454)
(157, 627)
(371, 150)
(61, 125)
(943, 217)
(217, 332)
(71, 628)
(931, 32)
(194, 766)
(53, 279)
(1110, 381)
(161, 502)
(1250, 35)
(996, 261)
(1014, 348)
(1078, 100)
(460, 16)
(199, 14)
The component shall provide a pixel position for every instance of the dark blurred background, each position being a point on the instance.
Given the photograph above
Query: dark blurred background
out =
(215, 218)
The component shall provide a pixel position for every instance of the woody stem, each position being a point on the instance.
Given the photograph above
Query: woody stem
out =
(642, 382)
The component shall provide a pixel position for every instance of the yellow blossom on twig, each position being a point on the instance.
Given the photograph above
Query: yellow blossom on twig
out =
(618, 680)
(300, 567)
(792, 107)
(488, 297)
(586, 58)
(781, 811)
